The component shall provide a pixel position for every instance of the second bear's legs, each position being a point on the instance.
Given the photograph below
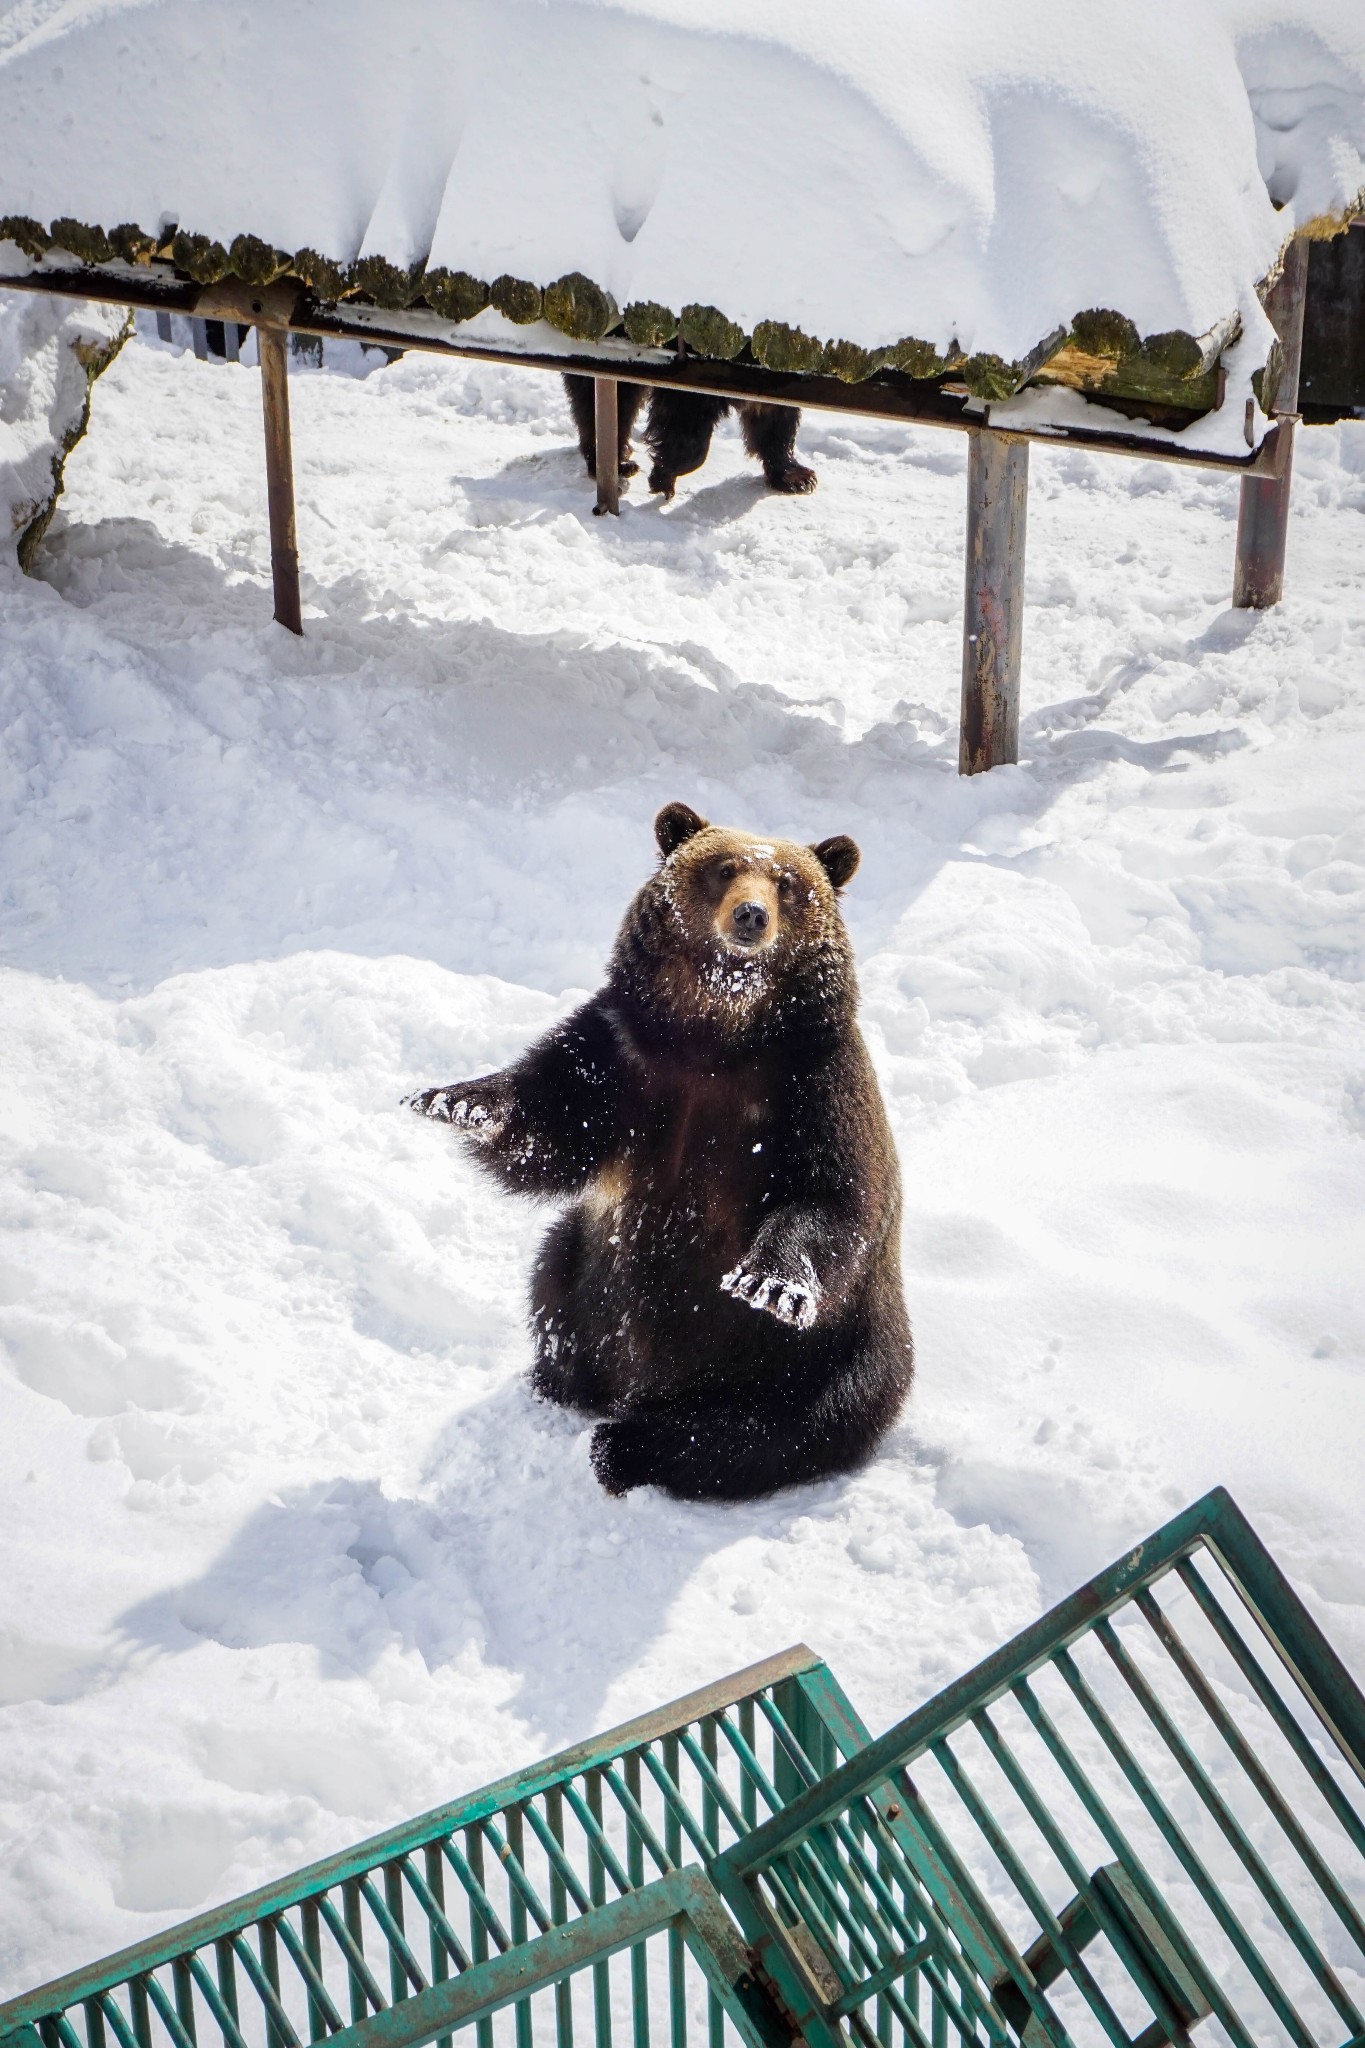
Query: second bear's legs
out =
(678, 432)
(679, 429)
(770, 434)
(583, 404)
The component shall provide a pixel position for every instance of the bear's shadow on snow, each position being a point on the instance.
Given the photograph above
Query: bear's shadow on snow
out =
(512, 1554)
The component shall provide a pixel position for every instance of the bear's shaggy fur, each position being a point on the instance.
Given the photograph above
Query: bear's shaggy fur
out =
(724, 1288)
(678, 433)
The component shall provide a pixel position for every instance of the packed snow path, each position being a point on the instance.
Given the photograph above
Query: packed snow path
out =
(288, 1550)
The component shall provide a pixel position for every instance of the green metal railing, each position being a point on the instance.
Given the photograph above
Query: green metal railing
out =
(1141, 1818)
(504, 1910)
(1140, 1823)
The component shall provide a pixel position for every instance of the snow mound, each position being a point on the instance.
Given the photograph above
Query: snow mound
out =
(974, 175)
(51, 351)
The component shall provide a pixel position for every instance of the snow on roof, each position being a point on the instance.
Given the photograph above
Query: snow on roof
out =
(868, 170)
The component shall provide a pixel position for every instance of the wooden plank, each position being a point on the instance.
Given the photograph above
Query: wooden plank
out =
(279, 476)
(1263, 513)
(608, 446)
(993, 615)
(888, 396)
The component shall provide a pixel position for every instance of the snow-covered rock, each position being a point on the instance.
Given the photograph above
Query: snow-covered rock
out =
(51, 351)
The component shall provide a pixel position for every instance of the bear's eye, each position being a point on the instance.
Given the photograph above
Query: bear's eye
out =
(727, 870)
(786, 888)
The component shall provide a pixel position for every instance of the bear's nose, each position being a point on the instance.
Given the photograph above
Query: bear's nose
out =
(750, 919)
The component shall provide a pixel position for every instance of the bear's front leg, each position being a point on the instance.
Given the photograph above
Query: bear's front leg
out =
(544, 1125)
(800, 1264)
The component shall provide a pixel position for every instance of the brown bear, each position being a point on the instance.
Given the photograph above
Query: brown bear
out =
(724, 1288)
(678, 433)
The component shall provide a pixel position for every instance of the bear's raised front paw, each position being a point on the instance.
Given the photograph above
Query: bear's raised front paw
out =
(464, 1104)
(620, 1455)
(794, 1302)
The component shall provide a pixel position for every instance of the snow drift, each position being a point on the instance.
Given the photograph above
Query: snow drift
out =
(51, 351)
(870, 171)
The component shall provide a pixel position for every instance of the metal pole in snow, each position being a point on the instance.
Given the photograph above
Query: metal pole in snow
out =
(993, 616)
(279, 476)
(608, 453)
(1263, 514)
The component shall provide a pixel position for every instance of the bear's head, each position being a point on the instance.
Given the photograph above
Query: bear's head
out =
(736, 937)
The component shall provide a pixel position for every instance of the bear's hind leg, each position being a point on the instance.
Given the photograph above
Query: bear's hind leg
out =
(567, 1356)
(770, 434)
(741, 1447)
(678, 432)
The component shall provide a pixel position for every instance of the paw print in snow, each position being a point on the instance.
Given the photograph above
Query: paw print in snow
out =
(792, 1301)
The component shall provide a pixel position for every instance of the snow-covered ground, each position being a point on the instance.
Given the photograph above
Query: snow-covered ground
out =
(288, 1551)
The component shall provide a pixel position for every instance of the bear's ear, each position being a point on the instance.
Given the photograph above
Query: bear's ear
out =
(839, 858)
(674, 824)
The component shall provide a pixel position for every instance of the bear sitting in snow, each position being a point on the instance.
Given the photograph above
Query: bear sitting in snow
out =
(678, 432)
(725, 1287)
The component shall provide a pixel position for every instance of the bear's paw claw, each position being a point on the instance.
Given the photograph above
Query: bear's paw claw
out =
(459, 1106)
(793, 1302)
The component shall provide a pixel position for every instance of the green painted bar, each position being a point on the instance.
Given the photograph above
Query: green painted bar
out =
(639, 1955)
(349, 1934)
(517, 1914)
(483, 1919)
(184, 1996)
(212, 1997)
(598, 1852)
(323, 2017)
(748, 1798)
(559, 1903)
(479, 1921)
(142, 2024)
(318, 2018)
(667, 1773)
(279, 2028)
(118, 2025)
(602, 1858)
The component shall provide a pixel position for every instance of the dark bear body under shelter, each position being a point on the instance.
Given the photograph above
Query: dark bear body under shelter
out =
(678, 430)
(724, 1289)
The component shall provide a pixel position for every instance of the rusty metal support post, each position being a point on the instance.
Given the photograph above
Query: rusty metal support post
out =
(608, 448)
(1263, 514)
(272, 344)
(993, 617)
